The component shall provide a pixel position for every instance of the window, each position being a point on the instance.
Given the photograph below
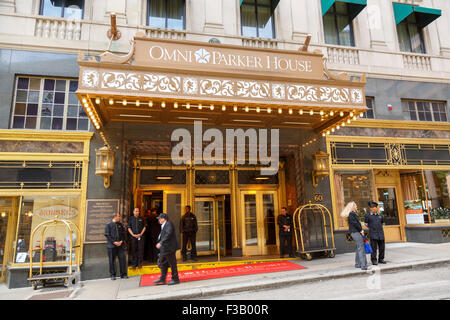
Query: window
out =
(70, 9)
(353, 186)
(437, 188)
(167, 14)
(48, 104)
(410, 36)
(337, 25)
(424, 110)
(369, 114)
(38, 209)
(257, 19)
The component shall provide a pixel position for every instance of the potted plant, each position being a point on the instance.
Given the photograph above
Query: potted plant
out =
(440, 215)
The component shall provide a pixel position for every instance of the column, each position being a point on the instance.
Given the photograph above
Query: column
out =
(375, 13)
(300, 12)
(7, 6)
(119, 7)
(213, 16)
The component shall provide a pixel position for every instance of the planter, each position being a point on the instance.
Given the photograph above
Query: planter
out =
(442, 221)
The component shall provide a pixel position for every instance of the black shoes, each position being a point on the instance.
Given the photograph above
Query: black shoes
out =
(173, 281)
(375, 263)
(159, 281)
(113, 277)
(124, 277)
(382, 261)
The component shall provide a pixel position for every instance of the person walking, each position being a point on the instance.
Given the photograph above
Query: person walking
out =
(375, 222)
(115, 236)
(285, 223)
(136, 228)
(189, 228)
(357, 233)
(168, 246)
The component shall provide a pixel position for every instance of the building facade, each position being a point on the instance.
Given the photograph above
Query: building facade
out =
(70, 85)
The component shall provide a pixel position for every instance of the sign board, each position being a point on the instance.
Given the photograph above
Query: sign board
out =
(63, 212)
(198, 56)
(98, 213)
(414, 212)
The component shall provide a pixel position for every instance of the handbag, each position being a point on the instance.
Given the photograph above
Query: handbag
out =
(367, 246)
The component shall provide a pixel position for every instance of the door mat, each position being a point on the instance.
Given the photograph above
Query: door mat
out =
(222, 272)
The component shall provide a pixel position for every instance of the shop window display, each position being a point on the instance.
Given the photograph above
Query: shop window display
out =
(56, 241)
(437, 187)
(353, 186)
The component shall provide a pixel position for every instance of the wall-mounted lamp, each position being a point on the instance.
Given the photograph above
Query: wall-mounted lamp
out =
(104, 166)
(320, 166)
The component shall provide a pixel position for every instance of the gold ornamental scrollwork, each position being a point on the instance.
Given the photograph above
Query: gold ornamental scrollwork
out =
(395, 153)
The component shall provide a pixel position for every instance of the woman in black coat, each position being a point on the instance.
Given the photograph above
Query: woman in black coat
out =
(357, 233)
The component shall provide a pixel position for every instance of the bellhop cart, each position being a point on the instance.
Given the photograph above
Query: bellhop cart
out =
(313, 229)
(69, 277)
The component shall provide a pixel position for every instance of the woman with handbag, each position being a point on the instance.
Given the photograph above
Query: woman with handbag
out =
(357, 233)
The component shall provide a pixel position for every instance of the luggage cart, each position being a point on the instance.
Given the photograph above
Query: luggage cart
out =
(313, 229)
(69, 277)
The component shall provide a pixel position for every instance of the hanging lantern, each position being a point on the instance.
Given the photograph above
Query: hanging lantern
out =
(320, 166)
(104, 166)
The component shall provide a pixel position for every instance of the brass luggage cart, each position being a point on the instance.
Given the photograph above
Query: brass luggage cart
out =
(67, 278)
(313, 229)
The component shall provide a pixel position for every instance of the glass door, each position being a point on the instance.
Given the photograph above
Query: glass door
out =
(204, 210)
(210, 212)
(259, 225)
(388, 206)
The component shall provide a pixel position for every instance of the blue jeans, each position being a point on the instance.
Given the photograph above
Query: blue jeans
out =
(360, 257)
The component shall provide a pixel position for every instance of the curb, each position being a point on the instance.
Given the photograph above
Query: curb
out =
(262, 284)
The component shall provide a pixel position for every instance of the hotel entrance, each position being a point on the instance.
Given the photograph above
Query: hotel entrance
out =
(258, 223)
(214, 225)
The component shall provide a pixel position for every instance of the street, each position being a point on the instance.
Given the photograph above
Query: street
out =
(417, 284)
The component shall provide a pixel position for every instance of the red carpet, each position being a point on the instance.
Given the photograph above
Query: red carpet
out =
(221, 272)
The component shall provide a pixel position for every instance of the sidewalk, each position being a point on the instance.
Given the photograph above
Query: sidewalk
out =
(398, 256)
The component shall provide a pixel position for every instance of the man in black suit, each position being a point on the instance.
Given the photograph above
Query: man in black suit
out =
(136, 228)
(168, 246)
(115, 235)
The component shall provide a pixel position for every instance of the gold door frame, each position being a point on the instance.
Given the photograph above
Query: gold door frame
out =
(261, 248)
(11, 227)
(400, 228)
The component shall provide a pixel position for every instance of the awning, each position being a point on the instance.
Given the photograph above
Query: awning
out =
(424, 15)
(174, 81)
(274, 3)
(354, 6)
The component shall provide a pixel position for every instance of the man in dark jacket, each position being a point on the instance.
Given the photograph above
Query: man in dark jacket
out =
(152, 233)
(168, 246)
(136, 228)
(115, 236)
(285, 223)
(189, 228)
(375, 222)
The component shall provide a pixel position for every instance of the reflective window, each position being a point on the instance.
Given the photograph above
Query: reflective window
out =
(337, 25)
(70, 9)
(369, 114)
(48, 104)
(424, 110)
(257, 19)
(353, 186)
(55, 240)
(410, 38)
(168, 14)
(437, 187)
